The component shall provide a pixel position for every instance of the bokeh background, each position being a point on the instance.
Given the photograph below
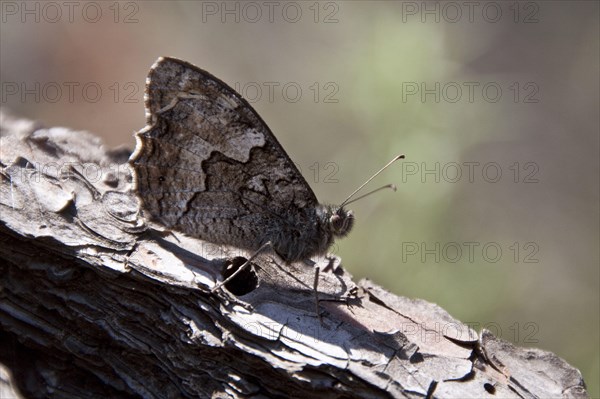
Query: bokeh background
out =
(495, 104)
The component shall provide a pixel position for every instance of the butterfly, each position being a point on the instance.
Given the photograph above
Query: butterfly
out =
(207, 165)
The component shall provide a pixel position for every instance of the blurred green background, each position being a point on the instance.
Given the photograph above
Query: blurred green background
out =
(504, 93)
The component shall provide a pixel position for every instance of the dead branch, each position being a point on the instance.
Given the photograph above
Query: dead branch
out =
(94, 302)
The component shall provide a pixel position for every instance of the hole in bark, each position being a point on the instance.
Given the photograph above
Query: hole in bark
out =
(489, 388)
(245, 281)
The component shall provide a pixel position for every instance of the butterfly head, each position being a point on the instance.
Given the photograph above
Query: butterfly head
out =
(340, 221)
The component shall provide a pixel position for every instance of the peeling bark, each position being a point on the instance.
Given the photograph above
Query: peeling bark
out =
(95, 302)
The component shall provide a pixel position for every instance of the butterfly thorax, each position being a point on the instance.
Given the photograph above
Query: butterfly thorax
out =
(313, 233)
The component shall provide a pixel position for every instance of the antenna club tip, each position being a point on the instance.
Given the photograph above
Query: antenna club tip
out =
(401, 156)
(393, 187)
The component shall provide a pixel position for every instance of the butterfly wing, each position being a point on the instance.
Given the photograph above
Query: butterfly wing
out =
(207, 165)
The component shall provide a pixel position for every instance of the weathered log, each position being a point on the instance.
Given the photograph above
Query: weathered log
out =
(95, 302)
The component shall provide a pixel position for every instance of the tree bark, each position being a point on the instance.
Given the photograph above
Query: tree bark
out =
(95, 302)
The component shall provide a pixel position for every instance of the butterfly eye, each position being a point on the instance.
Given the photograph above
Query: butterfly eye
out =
(336, 222)
(341, 223)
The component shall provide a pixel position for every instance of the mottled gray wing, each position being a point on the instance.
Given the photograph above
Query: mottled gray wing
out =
(207, 165)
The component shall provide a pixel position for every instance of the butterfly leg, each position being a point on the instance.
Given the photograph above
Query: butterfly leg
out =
(241, 268)
(315, 285)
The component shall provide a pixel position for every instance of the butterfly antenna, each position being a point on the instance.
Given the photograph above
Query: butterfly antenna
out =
(347, 200)
(392, 186)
